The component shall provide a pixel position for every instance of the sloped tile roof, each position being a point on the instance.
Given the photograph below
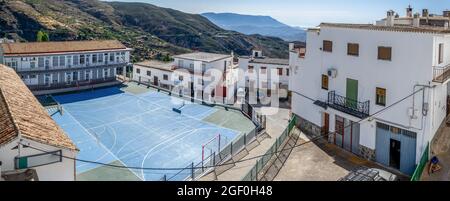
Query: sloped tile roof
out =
(22, 114)
(60, 47)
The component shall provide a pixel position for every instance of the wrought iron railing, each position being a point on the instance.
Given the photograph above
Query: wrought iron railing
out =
(69, 67)
(70, 84)
(347, 105)
(441, 74)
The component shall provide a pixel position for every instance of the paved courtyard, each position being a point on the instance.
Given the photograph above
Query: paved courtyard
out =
(320, 161)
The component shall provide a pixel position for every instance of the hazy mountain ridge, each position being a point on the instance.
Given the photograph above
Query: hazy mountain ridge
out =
(149, 29)
(252, 24)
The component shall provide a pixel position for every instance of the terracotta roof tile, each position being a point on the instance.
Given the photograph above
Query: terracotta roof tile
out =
(60, 47)
(20, 112)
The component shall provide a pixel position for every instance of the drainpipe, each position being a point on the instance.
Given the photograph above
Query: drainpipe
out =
(424, 111)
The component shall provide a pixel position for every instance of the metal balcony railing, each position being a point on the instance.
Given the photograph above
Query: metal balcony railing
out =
(347, 105)
(70, 84)
(441, 74)
(69, 67)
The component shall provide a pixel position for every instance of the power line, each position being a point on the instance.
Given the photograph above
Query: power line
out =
(238, 161)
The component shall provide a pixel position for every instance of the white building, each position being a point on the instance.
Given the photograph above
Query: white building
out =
(417, 19)
(55, 65)
(264, 73)
(190, 71)
(355, 70)
(28, 134)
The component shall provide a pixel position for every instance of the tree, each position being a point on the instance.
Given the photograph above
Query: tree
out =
(167, 58)
(42, 36)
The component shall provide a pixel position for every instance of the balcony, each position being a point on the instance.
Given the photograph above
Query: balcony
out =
(441, 74)
(349, 106)
(69, 67)
(79, 83)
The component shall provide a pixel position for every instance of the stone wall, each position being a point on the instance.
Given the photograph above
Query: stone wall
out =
(367, 153)
(307, 127)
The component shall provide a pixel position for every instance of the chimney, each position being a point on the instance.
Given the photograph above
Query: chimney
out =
(409, 11)
(390, 18)
(446, 13)
(257, 53)
(291, 46)
(425, 13)
(416, 20)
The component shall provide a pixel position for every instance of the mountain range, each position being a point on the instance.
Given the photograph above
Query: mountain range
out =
(252, 24)
(151, 30)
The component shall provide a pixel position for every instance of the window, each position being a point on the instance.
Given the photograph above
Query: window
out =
(180, 78)
(87, 75)
(69, 60)
(280, 71)
(111, 57)
(263, 70)
(62, 61)
(138, 71)
(250, 69)
(105, 73)
(88, 59)
(55, 61)
(75, 76)
(41, 62)
(94, 58)
(191, 66)
(327, 46)
(384, 53)
(441, 53)
(180, 63)
(100, 58)
(287, 72)
(325, 82)
(76, 60)
(82, 59)
(149, 73)
(165, 77)
(32, 64)
(353, 49)
(381, 96)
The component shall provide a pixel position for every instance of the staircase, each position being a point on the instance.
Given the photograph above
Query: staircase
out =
(277, 161)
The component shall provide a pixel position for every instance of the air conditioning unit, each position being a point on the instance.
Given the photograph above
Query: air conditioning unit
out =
(332, 73)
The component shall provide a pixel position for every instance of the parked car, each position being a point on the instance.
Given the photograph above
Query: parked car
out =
(370, 174)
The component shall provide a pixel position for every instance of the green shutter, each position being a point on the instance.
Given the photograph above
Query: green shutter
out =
(23, 163)
(352, 93)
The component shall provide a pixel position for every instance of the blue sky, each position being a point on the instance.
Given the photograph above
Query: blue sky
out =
(305, 13)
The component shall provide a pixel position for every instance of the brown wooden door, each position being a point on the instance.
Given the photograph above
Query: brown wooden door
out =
(448, 105)
(155, 81)
(326, 124)
(339, 131)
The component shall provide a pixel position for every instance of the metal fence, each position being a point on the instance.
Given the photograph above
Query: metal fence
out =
(252, 175)
(194, 171)
(422, 164)
(78, 83)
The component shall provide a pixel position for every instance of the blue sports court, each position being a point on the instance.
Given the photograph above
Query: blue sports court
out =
(111, 125)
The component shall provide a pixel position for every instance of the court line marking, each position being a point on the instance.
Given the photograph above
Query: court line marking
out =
(77, 103)
(164, 147)
(101, 144)
(189, 116)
